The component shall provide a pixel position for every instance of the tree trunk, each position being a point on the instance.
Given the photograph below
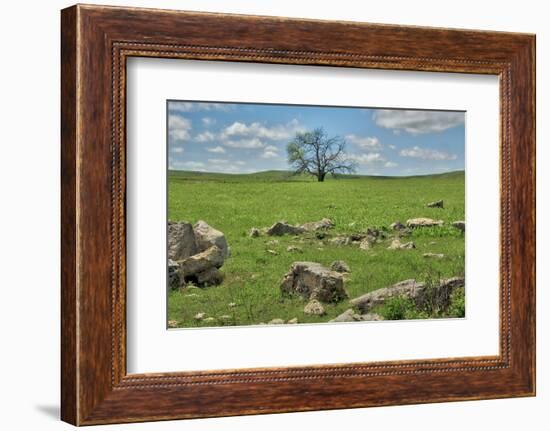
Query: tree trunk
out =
(321, 177)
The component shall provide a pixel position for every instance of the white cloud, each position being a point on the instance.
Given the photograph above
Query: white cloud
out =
(245, 143)
(207, 121)
(392, 147)
(426, 154)
(177, 150)
(364, 142)
(417, 122)
(240, 163)
(218, 161)
(366, 158)
(178, 127)
(205, 137)
(259, 131)
(193, 165)
(197, 106)
(270, 152)
(390, 165)
(218, 149)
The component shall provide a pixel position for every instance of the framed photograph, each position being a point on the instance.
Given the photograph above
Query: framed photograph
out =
(264, 214)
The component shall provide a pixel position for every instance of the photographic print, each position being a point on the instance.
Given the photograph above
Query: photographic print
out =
(294, 214)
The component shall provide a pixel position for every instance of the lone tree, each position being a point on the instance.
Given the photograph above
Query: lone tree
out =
(318, 154)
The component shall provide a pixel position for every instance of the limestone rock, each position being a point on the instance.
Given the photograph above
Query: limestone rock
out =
(460, 225)
(365, 244)
(173, 276)
(339, 241)
(397, 225)
(206, 237)
(438, 295)
(435, 204)
(276, 322)
(396, 244)
(202, 267)
(199, 316)
(181, 240)
(254, 232)
(325, 223)
(292, 321)
(312, 280)
(210, 277)
(434, 255)
(423, 222)
(172, 323)
(340, 266)
(314, 308)
(281, 228)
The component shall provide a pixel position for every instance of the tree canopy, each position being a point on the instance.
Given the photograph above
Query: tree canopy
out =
(317, 154)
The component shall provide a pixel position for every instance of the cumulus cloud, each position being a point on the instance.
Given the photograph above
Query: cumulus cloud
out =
(417, 122)
(417, 152)
(390, 165)
(177, 150)
(205, 137)
(270, 152)
(174, 106)
(259, 131)
(252, 143)
(218, 149)
(178, 128)
(208, 121)
(366, 158)
(364, 142)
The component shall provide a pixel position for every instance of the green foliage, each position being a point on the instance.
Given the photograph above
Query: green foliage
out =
(457, 308)
(236, 203)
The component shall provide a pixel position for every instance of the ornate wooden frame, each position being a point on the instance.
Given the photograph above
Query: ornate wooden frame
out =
(95, 43)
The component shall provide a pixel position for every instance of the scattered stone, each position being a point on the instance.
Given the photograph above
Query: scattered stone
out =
(325, 223)
(276, 322)
(192, 295)
(254, 232)
(293, 248)
(232, 305)
(311, 280)
(273, 252)
(206, 237)
(320, 234)
(272, 242)
(460, 225)
(434, 255)
(423, 222)
(181, 240)
(281, 228)
(347, 316)
(225, 317)
(200, 316)
(172, 323)
(365, 244)
(396, 244)
(209, 320)
(173, 277)
(314, 308)
(376, 234)
(435, 204)
(340, 266)
(339, 241)
(438, 295)
(351, 316)
(292, 321)
(397, 225)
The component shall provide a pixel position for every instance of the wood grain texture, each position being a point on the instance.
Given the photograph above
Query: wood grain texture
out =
(96, 41)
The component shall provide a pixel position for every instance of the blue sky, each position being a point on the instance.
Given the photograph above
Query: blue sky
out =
(243, 138)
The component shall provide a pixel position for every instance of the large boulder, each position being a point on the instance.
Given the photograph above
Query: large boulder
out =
(311, 280)
(281, 228)
(325, 223)
(423, 222)
(202, 268)
(351, 316)
(438, 295)
(181, 240)
(460, 225)
(206, 236)
(396, 244)
(314, 308)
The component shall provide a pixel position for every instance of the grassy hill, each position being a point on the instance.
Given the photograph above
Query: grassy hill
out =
(234, 203)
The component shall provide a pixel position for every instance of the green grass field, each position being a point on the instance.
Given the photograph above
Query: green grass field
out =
(236, 203)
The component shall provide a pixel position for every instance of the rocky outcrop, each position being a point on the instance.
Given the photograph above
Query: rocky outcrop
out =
(460, 225)
(423, 222)
(281, 228)
(314, 308)
(438, 294)
(202, 268)
(181, 240)
(325, 223)
(396, 244)
(311, 280)
(206, 236)
(340, 266)
(351, 316)
(435, 204)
